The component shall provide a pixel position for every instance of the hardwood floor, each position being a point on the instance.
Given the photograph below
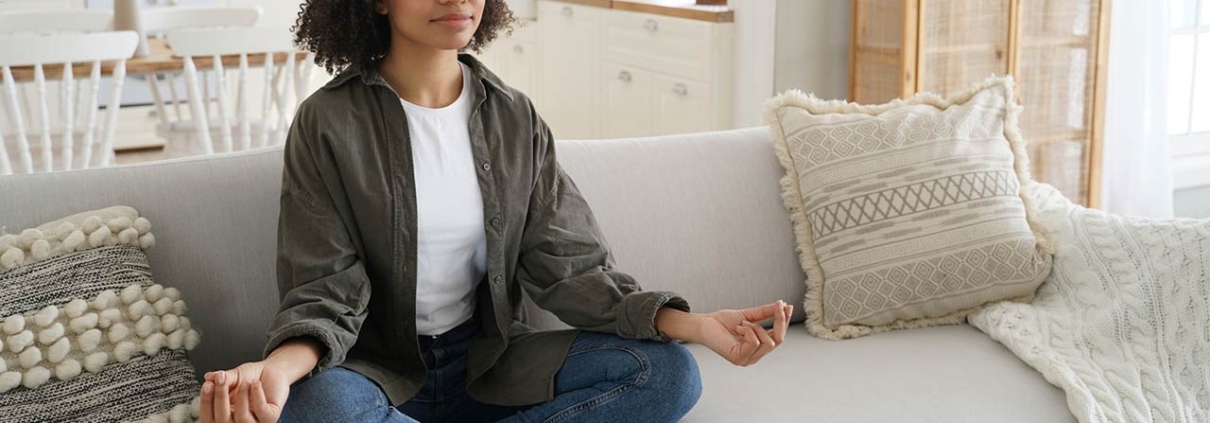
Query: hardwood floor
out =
(139, 155)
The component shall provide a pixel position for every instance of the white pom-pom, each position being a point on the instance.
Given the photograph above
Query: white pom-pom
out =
(28, 237)
(145, 326)
(14, 324)
(119, 224)
(131, 294)
(84, 323)
(75, 240)
(35, 377)
(195, 407)
(154, 343)
(91, 224)
(179, 414)
(99, 237)
(118, 332)
(75, 308)
(9, 380)
(46, 315)
(68, 370)
(12, 258)
(40, 250)
(64, 230)
(50, 335)
(89, 340)
(30, 357)
(158, 418)
(191, 340)
(146, 241)
(178, 307)
(18, 342)
(7, 241)
(109, 317)
(124, 351)
(128, 236)
(103, 300)
(142, 225)
(164, 305)
(96, 361)
(172, 293)
(3, 366)
(139, 309)
(176, 339)
(58, 351)
(185, 323)
(170, 323)
(154, 292)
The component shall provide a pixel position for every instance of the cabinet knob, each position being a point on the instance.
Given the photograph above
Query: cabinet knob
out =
(567, 11)
(624, 76)
(651, 25)
(680, 89)
(518, 49)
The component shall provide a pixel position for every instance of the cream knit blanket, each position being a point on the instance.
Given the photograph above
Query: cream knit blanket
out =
(1123, 322)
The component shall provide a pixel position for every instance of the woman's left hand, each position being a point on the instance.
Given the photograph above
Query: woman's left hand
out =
(732, 334)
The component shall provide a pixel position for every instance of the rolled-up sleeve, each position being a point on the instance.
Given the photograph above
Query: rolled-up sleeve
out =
(565, 264)
(320, 277)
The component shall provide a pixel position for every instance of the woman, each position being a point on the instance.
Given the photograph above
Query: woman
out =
(420, 196)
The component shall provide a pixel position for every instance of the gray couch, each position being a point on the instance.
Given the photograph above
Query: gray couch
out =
(699, 214)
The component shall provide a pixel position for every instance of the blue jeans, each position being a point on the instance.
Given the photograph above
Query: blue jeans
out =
(604, 379)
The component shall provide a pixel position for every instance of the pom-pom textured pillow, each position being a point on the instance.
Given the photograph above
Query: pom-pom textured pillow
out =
(907, 214)
(85, 334)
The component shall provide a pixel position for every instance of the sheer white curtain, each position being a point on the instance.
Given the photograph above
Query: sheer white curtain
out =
(1137, 174)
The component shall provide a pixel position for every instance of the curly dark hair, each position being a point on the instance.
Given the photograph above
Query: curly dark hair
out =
(350, 34)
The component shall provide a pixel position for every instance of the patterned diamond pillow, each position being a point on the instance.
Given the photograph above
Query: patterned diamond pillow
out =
(85, 334)
(910, 213)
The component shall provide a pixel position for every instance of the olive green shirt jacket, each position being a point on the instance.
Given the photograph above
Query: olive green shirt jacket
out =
(346, 257)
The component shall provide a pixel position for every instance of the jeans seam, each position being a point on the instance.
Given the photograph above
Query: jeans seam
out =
(612, 393)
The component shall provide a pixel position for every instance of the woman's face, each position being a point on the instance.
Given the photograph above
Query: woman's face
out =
(439, 24)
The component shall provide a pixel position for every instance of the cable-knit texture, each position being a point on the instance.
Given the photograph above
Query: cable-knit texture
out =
(1123, 322)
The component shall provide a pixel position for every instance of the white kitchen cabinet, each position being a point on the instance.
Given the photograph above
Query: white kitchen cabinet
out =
(629, 98)
(616, 74)
(684, 106)
(570, 57)
(515, 59)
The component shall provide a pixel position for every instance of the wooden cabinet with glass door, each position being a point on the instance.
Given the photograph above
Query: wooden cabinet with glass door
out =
(1055, 50)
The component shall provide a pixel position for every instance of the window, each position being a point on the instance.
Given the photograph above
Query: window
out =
(1189, 90)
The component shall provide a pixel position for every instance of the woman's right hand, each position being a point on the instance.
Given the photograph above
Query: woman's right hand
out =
(254, 392)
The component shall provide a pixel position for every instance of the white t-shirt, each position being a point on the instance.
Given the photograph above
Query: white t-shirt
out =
(452, 247)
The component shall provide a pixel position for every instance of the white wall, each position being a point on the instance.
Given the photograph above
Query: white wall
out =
(755, 40)
(784, 44)
(813, 47)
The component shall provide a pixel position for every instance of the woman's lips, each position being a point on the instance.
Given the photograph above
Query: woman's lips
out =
(454, 21)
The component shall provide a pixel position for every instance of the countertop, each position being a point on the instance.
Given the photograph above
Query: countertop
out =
(686, 9)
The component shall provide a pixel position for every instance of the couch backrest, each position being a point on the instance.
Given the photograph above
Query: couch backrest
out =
(699, 214)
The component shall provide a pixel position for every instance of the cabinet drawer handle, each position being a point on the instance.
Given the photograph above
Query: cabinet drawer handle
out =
(624, 76)
(567, 11)
(518, 49)
(680, 89)
(651, 25)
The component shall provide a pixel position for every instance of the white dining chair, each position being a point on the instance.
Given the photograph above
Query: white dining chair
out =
(283, 86)
(77, 105)
(157, 21)
(45, 22)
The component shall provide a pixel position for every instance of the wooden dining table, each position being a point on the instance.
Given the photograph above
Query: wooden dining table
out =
(160, 58)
